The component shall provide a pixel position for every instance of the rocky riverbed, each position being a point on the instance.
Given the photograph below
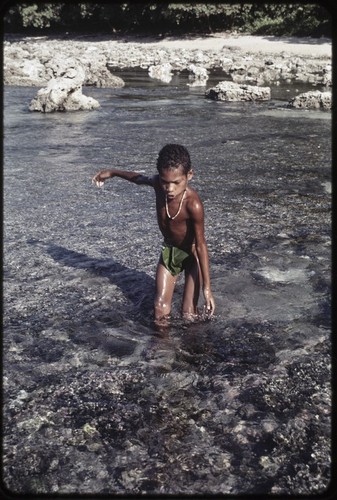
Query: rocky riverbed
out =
(95, 401)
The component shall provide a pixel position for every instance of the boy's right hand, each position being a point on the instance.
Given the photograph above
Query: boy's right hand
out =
(100, 177)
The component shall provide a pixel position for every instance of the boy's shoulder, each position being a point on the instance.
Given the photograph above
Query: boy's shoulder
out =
(194, 203)
(192, 194)
(155, 181)
(145, 180)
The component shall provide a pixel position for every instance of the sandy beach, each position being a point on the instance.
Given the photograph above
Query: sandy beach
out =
(299, 46)
(310, 47)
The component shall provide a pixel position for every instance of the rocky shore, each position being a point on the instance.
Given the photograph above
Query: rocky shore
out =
(261, 61)
(95, 402)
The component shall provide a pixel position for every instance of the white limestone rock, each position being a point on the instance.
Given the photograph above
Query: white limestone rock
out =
(231, 91)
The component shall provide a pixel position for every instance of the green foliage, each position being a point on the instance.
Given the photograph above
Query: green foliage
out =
(169, 18)
(38, 16)
(288, 19)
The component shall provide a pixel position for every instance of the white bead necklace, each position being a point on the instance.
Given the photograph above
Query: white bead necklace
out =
(180, 205)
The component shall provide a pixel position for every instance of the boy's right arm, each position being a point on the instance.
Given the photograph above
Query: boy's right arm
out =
(134, 177)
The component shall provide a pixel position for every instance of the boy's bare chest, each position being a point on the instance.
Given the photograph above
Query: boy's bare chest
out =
(171, 215)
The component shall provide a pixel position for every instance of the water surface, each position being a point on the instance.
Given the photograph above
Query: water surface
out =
(95, 399)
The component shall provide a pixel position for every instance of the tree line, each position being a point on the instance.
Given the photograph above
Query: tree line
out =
(300, 19)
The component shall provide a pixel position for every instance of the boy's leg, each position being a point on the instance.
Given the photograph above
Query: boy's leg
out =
(165, 283)
(192, 288)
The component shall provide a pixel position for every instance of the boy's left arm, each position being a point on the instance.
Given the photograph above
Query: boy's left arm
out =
(197, 213)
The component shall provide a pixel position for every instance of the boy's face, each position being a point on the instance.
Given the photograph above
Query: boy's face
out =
(174, 181)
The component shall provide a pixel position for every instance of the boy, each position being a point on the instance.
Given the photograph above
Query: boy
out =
(180, 217)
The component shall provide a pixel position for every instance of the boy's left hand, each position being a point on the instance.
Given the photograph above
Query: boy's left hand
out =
(210, 303)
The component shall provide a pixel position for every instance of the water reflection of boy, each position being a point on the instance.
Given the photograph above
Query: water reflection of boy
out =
(180, 217)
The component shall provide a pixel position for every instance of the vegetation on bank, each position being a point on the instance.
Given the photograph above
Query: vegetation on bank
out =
(298, 19)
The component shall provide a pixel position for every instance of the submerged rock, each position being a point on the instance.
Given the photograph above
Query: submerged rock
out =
(229, 91)
(312, 100)
(96, 401)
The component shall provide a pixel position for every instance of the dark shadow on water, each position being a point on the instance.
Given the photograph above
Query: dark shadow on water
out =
(201, 345)
(137, 286)
(209, 346)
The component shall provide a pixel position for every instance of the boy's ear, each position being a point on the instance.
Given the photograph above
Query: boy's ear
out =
(190, 174)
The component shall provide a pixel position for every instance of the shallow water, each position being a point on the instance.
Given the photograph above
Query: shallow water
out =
(95, 399)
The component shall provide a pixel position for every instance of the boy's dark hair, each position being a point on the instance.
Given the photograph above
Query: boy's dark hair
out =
(174, 156)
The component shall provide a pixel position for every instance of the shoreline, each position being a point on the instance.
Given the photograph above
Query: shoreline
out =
(251, 44)
(248, 43)
(258, 60)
